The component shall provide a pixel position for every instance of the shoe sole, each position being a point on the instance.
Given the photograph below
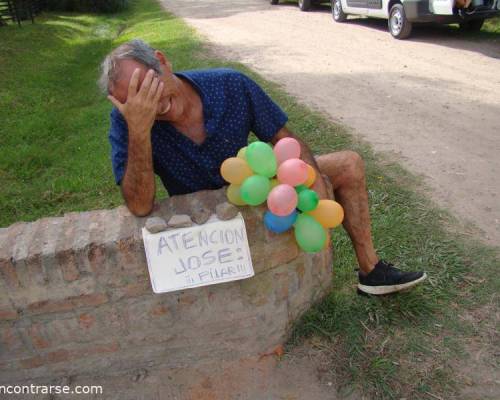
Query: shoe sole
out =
(379, 290)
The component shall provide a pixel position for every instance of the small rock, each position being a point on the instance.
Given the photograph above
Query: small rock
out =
(180, 221)
(200, 215)
(156, 224)
(226, 211)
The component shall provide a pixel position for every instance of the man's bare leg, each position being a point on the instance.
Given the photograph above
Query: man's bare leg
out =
(346, 172)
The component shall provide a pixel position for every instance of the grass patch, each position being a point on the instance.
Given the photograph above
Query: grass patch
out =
(492, 25)
(55, 159)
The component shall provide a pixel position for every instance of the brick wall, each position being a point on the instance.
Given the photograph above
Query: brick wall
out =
(75, 296)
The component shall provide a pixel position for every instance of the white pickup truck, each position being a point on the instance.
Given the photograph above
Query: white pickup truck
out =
(401, 14)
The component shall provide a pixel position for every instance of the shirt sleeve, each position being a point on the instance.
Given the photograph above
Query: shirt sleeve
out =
(267, 118)
(118, 138)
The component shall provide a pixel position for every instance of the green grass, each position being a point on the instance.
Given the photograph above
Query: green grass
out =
(492, 25)
(55, 158)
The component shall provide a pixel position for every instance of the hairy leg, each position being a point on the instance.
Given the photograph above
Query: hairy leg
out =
(346, 172)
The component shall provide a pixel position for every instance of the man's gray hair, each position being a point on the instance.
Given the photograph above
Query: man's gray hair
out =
(137, 50)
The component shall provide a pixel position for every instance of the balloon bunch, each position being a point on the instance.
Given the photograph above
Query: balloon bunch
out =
(260, 173)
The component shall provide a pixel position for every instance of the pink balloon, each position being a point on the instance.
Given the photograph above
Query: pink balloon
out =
(293, 172)
(282, 200)
(286, 148)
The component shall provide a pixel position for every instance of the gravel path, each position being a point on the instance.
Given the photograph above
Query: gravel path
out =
(433, 101)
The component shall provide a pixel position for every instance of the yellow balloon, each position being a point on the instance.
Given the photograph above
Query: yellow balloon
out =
(242, 153)
(311, 176)
(329, 213)
(274, 182)
(233, 195)
(235, 170)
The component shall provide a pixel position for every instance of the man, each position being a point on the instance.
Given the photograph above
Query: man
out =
(182, 126)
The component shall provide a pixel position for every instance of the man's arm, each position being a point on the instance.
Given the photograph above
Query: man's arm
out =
(138, 183)
(307, 156)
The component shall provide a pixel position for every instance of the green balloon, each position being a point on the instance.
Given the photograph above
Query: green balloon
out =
(308, 200)
(254, 190)
(300, 188)
(309, 233)
(260, 156)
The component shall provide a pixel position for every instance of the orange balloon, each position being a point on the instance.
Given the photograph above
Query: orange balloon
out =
(235, 170)
(311, 176)
(329, 213)
(234, 196)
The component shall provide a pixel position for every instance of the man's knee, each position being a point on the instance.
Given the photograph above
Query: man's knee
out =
(342, 167)
(356, 163)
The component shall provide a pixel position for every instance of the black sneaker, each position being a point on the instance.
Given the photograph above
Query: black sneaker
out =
(385, 279)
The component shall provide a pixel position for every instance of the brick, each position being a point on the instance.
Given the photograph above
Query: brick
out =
(62, 355)
(11, 343)
(7, 314)
(104, 348)
(52, 272)
(7, 268)
(97, 258)
(70, 303)
(86, 321)
(112, 226)
(37, 338)
(96, 226)
(75, 328)
(9, 274)
(65, 254)
(150, 319)
(28, 267)
(67, 262)
(7, 311)
(37, 274)
(159, 309)
(131, 256)
(134, 289)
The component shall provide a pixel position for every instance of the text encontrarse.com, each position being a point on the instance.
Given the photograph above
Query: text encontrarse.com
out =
(49, 389)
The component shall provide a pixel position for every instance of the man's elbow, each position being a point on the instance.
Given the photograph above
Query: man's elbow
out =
(138, 206)
(140, 210)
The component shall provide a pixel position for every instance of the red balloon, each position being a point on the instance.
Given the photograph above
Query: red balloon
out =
(282, 200)
(286, 149)
(293, 172)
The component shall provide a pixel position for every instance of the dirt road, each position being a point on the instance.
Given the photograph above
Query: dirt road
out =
(432, 101)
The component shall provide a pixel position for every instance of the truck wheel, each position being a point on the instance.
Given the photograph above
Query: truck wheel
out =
(399, 26)
(274, 2)
(337, 12)
(473, 25)
(305, 5)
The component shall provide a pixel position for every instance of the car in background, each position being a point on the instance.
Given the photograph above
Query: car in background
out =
(304, 5)
(401, 14)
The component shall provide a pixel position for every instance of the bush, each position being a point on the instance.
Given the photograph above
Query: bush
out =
(99, 6)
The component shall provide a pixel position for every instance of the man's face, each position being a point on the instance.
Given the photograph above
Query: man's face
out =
(120, 89)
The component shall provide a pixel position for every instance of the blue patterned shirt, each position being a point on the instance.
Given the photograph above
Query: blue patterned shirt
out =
(233, 105)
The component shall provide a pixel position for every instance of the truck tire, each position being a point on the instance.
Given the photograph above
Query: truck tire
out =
(399, 26)
(274, 2)
(473, 25)
(305, 5)
(337, 12)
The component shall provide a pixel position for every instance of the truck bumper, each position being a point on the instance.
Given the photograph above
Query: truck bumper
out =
(418, 11)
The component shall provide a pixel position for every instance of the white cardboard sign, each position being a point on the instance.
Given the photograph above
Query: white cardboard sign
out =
(200, 255)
